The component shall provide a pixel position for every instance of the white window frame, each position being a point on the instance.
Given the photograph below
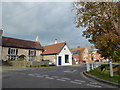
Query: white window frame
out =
(10, 57)
(33, 54)
(14, 51)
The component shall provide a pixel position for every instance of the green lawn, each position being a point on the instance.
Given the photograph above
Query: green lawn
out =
(105, 75)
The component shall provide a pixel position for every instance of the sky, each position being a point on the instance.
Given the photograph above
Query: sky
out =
(48, 20)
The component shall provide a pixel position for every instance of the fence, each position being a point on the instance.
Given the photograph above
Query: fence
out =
(91, 66)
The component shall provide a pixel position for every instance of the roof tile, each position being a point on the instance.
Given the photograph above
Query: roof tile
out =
(19, 43)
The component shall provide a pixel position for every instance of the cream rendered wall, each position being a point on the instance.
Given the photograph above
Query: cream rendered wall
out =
(62, 54)
(86, 54)
(21, 52)
(4, 53)
(52, 58)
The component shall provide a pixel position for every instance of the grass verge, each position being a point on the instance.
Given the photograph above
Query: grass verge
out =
(105, 75)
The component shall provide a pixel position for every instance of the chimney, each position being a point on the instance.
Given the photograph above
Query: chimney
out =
(56, 41)
(37, 39)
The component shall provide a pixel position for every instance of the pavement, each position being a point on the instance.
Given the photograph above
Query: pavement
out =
(49, 77)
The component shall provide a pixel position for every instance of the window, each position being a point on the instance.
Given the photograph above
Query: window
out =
(66, 58)
(32, 53)
(12, 57)
(12, 51)
(76, 52)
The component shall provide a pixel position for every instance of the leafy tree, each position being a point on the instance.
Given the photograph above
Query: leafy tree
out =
(101, 20)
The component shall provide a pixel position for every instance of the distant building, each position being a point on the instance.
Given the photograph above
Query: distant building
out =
(97, 57)
(80, 55)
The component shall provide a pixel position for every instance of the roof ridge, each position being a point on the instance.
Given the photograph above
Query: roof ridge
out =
(54, 44)
(18, 39)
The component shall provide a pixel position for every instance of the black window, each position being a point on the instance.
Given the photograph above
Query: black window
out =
(12, 51)
(66, 58)
(32, 52)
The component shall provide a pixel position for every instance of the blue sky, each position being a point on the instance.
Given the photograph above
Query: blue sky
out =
(48, 20)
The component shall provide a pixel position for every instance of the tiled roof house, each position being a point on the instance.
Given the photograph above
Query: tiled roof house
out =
(58, 53)
(13, 48)
(80, 55)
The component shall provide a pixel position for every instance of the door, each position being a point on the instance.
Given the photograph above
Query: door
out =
(59, 60)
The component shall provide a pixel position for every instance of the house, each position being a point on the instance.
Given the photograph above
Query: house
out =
(58, 53)
(97, 57)
(13, 48)
(80, 55)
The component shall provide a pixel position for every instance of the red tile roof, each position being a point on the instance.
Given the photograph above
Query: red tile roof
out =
(75, 49)
(19, 43)
(53, 49)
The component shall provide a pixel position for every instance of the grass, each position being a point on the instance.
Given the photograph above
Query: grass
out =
(106, 75)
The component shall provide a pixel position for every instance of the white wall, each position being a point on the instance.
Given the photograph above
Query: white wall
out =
(62, 54)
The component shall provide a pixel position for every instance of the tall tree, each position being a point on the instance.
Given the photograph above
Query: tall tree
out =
(102, 22)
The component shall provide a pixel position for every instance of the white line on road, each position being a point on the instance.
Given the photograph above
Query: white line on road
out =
(65, 78)
(79, 81)
(45, 75)
(61, 80)
(49, 77)
(39, 76)
(31, 75)
(93, 85)
(75, 82)
(55, 76)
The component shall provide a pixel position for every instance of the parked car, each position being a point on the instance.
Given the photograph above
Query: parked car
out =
(51, 64)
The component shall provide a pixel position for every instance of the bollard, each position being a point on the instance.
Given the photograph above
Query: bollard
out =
(111, 70)
(88, 66)
(92, 66)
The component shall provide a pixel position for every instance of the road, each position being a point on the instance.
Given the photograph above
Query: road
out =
(51, 77)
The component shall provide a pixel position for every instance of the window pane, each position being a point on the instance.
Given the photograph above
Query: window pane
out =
(66, 58)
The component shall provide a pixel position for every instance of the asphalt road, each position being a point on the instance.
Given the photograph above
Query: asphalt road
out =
(52, 77)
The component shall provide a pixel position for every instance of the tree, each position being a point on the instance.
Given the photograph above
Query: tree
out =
(101, 20)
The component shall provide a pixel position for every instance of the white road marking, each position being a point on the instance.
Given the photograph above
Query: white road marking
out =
(55, 76)
(66, 71)
(93, 85)
(70, 71)
(65, 78)
(61, 80)
(49, 77)
(75, 82)
(79, 81)
(31, 75)
(45, 75)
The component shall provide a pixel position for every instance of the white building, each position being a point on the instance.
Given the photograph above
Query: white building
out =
(58, 53)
